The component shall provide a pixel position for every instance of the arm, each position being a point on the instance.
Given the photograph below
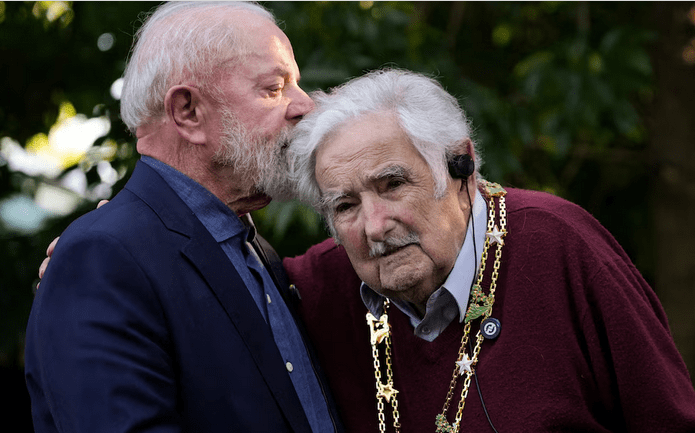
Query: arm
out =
(650, 378)
(97, 352)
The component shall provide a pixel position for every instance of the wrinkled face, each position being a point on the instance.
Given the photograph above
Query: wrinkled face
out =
(379, 192)
(262, 103)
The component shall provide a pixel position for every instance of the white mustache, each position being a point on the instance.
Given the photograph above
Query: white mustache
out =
(378, 249)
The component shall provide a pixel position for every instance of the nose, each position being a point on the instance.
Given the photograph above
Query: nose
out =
(378, 219)
(300, 104)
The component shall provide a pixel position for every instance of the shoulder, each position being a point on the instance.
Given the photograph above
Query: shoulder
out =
(550, 237)
(321, 252)
(125, 227)
(320, 256)
(555, 241)
(545, 218)
(323, 265)
(121, 218)
(522, 200)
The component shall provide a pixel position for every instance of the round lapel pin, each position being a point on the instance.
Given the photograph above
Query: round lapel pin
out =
(490, 328)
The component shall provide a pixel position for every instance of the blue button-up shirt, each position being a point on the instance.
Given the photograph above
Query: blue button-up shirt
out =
(233, 237)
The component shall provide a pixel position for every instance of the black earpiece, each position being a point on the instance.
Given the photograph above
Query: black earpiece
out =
(461, 166)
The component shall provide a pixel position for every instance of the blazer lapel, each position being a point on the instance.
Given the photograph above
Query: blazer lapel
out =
(273, 264)
(229, 289)
(243, 312)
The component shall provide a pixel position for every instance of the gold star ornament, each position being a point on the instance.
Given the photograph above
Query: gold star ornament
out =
(387, 391)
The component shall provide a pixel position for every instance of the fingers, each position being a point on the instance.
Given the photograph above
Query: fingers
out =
(51, 247)
(43, 266)
(49, 253)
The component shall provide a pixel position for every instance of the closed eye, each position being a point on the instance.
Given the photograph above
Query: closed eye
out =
(275, 91)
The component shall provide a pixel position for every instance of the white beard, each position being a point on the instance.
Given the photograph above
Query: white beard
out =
(263, 160)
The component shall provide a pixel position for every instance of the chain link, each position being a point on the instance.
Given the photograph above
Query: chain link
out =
(389, 376)
(454, 428)
(380, 332)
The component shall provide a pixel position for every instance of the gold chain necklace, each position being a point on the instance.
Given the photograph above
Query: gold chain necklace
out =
(480, 306)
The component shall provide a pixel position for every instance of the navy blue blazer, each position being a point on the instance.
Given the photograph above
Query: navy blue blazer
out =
(142, 323)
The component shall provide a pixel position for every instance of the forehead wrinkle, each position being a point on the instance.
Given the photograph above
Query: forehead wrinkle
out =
(358, 178)
(283, 69)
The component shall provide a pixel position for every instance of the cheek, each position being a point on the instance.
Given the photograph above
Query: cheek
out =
(351, 238)
(357, 250)
(444, 243)
(266, 120)
(442, 253)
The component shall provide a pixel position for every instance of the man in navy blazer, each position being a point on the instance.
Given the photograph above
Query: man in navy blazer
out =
(160, 311)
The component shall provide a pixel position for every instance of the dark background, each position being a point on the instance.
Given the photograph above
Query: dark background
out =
(591, 101)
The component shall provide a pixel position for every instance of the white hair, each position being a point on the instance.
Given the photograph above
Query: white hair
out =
(179, 41)
(429, 116)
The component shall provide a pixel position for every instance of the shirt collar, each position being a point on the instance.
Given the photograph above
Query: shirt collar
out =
(459, 281)
(216, 217)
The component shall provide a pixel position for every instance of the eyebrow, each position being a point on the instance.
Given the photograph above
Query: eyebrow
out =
(276, 71)
(389, 172)
(328, 200)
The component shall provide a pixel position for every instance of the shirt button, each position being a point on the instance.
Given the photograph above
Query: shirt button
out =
(425, 330)
(289, 366)
(267, 296)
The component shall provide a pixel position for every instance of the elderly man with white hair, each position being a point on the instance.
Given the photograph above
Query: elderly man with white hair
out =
(159, 311)
(473, 307)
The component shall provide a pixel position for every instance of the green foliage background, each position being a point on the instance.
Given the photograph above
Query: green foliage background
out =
(559, 94)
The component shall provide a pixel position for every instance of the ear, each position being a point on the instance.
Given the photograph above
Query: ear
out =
(187, 110)
(467, 188)
(465, 147)
(472, 179)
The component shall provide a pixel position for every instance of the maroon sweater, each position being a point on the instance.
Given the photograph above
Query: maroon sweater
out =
(584, 343)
